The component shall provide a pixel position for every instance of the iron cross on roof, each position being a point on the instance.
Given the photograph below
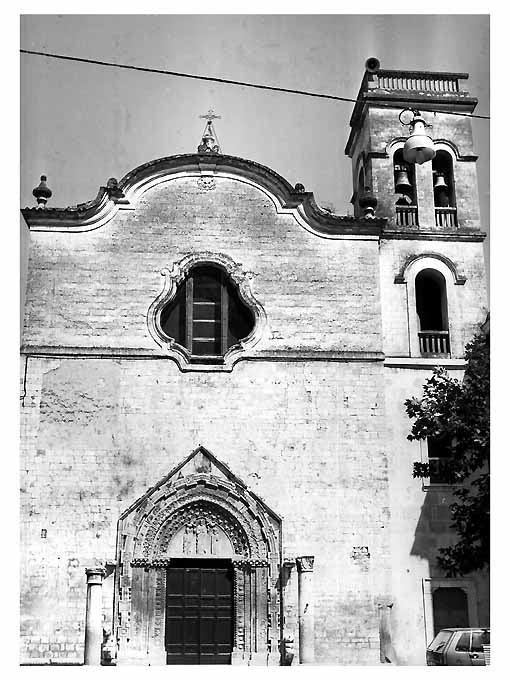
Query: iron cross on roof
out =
(210, 116)
(210, 143)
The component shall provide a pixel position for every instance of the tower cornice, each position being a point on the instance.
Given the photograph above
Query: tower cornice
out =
(440, 92)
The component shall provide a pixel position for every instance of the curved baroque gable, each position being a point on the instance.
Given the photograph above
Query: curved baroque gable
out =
(124, 195)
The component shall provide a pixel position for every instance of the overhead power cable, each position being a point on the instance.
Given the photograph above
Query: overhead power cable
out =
(224, 81)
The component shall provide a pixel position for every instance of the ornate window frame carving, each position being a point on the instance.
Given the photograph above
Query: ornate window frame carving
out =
(147, 528)
(176, 275)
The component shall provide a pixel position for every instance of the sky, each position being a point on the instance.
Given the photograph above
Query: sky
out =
(81, 123)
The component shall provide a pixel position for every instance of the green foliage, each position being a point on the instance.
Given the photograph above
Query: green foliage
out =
(457, 412)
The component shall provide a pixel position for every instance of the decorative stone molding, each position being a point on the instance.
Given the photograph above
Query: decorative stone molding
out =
(205, 183)
(306, 609)
(452, 149)
(305, 563)
(242, 563)
(173, 277)
(459, 278)
(127, 192)
(200, 492)
(95, 575)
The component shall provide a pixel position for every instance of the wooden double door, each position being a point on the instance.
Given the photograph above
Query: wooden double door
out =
(199, 612)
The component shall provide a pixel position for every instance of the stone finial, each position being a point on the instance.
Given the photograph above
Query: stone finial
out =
(42, 192)
(112, 188)
(368, 202)
(299, 188)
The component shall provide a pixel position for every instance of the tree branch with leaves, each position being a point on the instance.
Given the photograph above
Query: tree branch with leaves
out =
(457, 414)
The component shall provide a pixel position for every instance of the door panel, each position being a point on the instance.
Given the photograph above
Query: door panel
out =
(199, 608)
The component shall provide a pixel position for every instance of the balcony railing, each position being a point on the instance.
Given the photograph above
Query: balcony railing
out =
(434, 343)
(426, 82)
(407, 215)
(446, 217)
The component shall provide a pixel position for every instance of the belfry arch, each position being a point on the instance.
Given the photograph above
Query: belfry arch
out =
(199, 514)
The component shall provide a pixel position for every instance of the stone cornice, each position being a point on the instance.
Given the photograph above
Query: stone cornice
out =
(424, 93)
(294, 200)
(138, 353)
(422, 235)
(424, 363)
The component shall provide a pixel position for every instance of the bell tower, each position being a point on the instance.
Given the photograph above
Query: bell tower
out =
(439, 196)
(411, 146)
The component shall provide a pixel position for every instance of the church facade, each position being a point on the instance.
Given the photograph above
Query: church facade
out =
(214, 462)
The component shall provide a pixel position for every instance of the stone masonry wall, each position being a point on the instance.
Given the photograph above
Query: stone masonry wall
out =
(306, 437)
(94, 288)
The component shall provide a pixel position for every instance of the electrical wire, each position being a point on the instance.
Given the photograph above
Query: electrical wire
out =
(224, 81)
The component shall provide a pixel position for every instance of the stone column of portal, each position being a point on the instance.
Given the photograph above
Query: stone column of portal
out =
(93, 617)
(305, 608)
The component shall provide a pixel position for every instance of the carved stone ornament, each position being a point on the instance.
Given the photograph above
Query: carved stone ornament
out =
(199, 510)
(173, 277)
(205, 183)
(305, 563)
(242, 563)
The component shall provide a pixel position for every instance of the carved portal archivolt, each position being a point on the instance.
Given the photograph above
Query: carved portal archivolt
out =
(198, 511)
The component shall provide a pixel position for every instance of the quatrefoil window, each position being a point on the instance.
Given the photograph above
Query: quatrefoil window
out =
(207, 315)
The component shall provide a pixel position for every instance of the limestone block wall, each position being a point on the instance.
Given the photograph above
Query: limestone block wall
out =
(467, 303)
(93, 289)
(420, 522)
(308, 437)
(305, 435)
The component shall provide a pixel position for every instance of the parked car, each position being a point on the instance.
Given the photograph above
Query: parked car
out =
(460, 647)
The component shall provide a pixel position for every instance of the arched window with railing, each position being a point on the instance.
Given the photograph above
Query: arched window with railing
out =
(432, 312)
(444, 189)
(406, 205)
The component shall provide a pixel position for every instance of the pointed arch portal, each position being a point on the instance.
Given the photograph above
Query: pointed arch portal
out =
(198, 563)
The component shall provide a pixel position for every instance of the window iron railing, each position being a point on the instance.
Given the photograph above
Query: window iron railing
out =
(446, 217)
(407, 215)
(434, 343)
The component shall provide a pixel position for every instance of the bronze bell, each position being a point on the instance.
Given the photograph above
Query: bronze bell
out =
(419, 147)
(402, 183)
(440, 182)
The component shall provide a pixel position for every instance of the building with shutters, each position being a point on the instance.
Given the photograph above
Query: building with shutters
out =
(214, 462)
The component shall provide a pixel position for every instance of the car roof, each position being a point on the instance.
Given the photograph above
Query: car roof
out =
(453, 630)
